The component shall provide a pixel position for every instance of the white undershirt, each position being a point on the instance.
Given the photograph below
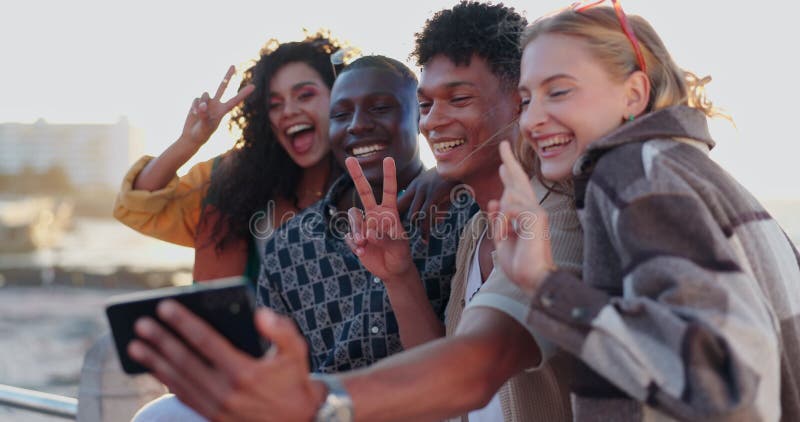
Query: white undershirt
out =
(493, 412)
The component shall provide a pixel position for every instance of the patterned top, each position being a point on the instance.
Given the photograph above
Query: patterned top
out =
(689, 303)
(310, 274)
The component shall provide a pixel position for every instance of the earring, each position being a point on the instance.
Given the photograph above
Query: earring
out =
(631, 117)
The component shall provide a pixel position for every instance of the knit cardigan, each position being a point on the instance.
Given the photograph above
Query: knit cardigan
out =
(689, 304)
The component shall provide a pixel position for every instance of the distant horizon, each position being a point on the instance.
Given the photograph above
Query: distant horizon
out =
(211, 150)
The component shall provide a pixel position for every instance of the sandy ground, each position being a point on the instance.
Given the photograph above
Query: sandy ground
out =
(44, 334)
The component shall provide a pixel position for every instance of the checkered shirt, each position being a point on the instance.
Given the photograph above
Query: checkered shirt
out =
(310, 275)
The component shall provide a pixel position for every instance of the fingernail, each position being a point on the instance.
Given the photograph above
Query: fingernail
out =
(166, 309)
(134, 350)
(143, 327)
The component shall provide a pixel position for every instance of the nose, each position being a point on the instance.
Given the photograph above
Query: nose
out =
(360, 123)
(532, 118)
(433, 119)
(290, 108)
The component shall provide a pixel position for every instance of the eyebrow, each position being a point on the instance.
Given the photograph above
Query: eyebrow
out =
(558, 76)
(450, 85)
(297, 86)
(302, 84)
(548, 80)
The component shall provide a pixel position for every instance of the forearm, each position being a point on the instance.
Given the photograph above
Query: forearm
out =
(446, 377)
(161, 170)
(432, 382)
(417, 321)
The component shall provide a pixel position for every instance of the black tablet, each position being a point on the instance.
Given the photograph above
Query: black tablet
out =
(225, 304)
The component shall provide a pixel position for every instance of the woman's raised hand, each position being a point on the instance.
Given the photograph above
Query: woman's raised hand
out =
(519, 227)
(206, 112)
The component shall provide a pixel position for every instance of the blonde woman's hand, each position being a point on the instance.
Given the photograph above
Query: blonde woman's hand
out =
(206, 112)
(519, 227)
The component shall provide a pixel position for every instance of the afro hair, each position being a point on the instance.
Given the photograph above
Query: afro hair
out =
(491, 31)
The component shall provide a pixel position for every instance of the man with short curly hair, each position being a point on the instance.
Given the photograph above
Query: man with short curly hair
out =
(468, 103)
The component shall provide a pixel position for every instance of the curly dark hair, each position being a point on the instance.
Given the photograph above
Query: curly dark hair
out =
(491, 31)
(258, 169)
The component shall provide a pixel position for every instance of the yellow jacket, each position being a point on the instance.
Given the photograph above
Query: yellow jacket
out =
(171, 214)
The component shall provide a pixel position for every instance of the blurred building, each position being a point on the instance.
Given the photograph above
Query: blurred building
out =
(92, 155)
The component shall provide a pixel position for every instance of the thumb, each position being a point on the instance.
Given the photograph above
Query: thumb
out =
(282, 332)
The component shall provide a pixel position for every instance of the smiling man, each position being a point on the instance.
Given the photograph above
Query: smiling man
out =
(373, 115)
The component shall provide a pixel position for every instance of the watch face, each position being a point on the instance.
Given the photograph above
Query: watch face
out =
(336, 409)
(337, 406)
(340, 408)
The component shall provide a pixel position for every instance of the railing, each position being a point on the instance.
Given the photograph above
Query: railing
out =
(104, 393)
(50, 404)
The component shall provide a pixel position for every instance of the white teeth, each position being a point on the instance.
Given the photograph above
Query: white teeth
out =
(366, 150)
(555, 140)
(297, 128)
(443, 147)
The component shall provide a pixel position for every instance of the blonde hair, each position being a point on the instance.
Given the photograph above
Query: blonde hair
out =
(600, 28)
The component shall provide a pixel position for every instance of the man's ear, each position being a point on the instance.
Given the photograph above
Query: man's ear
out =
(637, 94)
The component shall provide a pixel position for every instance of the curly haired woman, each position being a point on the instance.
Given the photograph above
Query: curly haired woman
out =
(281, 163)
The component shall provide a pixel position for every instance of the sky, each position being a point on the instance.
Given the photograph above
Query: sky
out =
(94, 61)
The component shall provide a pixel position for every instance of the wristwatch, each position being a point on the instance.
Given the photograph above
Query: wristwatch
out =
(337, 407)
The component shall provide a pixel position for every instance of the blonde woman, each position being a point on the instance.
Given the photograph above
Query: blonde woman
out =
(689, 302)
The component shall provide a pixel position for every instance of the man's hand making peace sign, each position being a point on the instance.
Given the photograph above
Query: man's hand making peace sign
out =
(378, 239)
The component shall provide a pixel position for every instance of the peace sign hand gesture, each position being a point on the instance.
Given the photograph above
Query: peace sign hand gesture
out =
(377, 236)
(519, 227)
(206, 112)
